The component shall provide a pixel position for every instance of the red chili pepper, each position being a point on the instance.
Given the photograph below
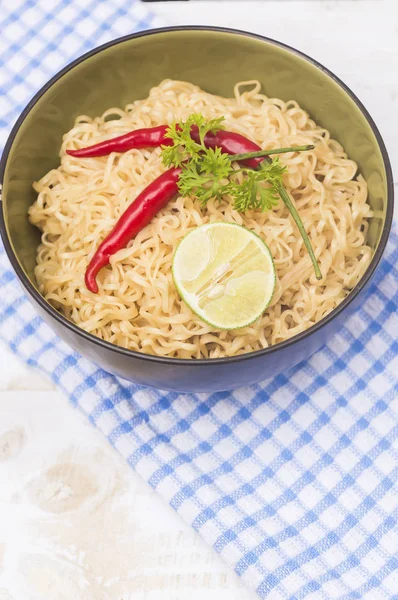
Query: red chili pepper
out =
(151, 137)
(136, 217)
(230, 143)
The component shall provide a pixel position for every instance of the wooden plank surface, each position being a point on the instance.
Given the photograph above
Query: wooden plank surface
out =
(77, 524)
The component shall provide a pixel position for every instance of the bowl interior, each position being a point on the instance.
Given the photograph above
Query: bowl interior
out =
(214, 60)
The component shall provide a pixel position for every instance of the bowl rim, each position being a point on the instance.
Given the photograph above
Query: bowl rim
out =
(165, 360)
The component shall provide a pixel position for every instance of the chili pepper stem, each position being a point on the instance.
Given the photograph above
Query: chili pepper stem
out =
(264, 153)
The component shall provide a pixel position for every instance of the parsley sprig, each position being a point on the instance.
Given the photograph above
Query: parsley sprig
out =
(252, 193)
(209, 173)
(184, 147)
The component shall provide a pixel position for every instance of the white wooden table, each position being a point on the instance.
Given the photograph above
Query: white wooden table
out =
(75, 522)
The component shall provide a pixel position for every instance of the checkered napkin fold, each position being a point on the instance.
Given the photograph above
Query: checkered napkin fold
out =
(293, 481)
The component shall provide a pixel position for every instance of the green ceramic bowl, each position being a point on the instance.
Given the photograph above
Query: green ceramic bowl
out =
(215, 59)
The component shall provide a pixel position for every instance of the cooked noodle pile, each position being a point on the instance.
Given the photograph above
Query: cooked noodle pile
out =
(138, 306)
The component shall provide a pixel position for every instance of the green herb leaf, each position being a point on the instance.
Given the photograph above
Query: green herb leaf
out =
(194, 184)
(215, 162)
(204, 180)
(184, 147)
(259, 188)
(205, 127)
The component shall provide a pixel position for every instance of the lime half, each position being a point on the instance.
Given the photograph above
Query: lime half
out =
(225, 274)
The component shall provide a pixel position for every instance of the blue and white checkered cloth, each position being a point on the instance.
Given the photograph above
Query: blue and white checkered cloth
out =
(294, 481)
